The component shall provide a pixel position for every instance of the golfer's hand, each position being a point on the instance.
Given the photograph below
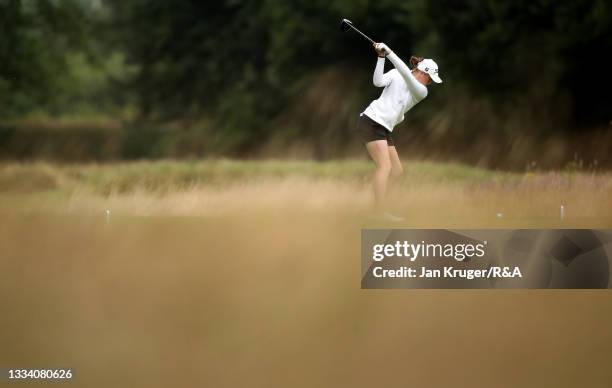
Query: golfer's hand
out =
(382, 49)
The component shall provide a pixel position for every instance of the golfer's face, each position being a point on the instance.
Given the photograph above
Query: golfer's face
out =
(423, 77)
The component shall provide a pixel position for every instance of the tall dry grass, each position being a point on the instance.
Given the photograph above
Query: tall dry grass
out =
(260, 285)
(427, 194)
(268, 302)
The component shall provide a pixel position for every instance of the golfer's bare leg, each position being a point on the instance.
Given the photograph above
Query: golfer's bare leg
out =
(379, 153)
(396, 164)
(396, 167)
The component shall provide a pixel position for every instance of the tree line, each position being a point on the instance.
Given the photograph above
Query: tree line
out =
(234, 68)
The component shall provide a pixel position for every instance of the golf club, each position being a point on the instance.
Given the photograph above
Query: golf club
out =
(345, 24)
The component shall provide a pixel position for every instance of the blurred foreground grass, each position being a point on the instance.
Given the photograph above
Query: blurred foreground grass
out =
(262, 287)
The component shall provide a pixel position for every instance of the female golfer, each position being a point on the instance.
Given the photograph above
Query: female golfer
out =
(403, 89)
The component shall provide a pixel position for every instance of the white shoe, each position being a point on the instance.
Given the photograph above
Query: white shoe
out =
(390, 217)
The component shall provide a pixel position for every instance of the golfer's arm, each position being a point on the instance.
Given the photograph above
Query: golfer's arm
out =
(415, 87)
(380, 79)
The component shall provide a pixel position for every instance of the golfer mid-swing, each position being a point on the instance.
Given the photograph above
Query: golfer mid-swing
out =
(404, 88)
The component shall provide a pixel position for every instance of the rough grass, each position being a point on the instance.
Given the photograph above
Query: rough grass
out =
(259, 286)
(172, 175)
(432, 194)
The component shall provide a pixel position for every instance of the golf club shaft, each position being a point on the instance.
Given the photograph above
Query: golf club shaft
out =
(361, 33)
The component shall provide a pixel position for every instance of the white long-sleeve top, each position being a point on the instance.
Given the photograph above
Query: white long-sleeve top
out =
(402, 92)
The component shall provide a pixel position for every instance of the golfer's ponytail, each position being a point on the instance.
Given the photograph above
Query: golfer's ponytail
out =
(414, 61)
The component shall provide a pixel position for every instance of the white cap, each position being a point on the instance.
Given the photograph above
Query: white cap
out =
(430, 67)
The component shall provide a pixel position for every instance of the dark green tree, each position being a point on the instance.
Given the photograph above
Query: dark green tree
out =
(35, 37)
